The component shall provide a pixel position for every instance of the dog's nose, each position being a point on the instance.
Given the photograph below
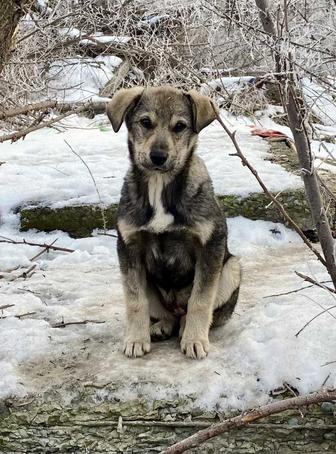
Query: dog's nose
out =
(158, 157)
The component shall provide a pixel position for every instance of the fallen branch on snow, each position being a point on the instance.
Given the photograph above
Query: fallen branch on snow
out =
(17, 316)
(312, 281)
(26, 273)
(63, 324)
(6, 306)
(245, 419)
(47, 247)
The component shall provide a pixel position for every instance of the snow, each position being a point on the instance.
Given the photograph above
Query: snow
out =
(43, 170)
(323, 149)
(104, 39)
(153, 20)
(71, 32)
(229, 84)
(320, 101)
(326, 130)
(256, 351)
(79, 79)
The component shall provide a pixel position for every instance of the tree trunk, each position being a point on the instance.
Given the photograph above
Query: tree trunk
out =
(296, 114)
(293, 104)
(11, 12)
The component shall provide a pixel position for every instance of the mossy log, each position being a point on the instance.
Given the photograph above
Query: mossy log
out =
(79, 221)
(138, 427)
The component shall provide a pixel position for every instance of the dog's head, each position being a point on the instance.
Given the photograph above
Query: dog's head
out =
(163, 124)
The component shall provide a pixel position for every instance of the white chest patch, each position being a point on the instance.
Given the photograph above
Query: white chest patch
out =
(161, 219)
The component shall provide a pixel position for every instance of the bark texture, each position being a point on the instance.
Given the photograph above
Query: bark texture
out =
(294, 105)
(296, 115)
(11, 12)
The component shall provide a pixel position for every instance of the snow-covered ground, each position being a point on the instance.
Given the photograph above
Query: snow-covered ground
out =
(257, 350)
(42, 169)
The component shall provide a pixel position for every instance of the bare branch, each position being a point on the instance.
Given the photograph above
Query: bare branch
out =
(63, 324)
(27, 273)
(293, 291)
(247, 418)
(318, 284)
(47, 247)
(14, 136)
(26, 314)
(5, 306)
(286, 216)
(314, 318)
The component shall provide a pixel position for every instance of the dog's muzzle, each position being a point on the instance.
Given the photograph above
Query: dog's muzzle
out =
(158, 157)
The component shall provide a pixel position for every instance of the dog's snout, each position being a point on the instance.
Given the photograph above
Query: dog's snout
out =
(158, 157)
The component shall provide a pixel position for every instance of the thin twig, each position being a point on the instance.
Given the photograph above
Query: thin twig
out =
(94, 182)
(27, 108)
(43, 245)
(325, 380)
(24, 315)
(108, 234)
(5, 306)
(314, 318)
(61, 107)
(49, 24)
(63, 324)
(246, 163)
(328, 363)
(293, 291)
(46, 249)
(26, 273)
(14, 136)
(18, 316)
(245, 419)
(312, 281)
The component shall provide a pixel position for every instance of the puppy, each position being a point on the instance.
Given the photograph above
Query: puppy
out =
(172, 236)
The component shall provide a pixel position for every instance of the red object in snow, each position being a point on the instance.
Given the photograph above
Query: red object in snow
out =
(267, 133)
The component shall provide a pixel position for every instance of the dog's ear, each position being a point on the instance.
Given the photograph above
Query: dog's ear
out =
(121, 103)
(203, 108)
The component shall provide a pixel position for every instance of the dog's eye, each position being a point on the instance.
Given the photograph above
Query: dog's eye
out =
(179, 127)
(146, 123)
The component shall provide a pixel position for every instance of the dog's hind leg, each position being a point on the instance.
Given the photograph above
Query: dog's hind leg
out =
(163, 320)
(228, 291)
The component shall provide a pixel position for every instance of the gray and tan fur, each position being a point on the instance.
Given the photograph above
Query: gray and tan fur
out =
(172, 235)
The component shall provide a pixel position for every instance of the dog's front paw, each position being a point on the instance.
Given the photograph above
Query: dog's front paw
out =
(136, 347)
(196, 348)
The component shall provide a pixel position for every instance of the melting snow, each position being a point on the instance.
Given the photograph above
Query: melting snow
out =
(254, 353)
